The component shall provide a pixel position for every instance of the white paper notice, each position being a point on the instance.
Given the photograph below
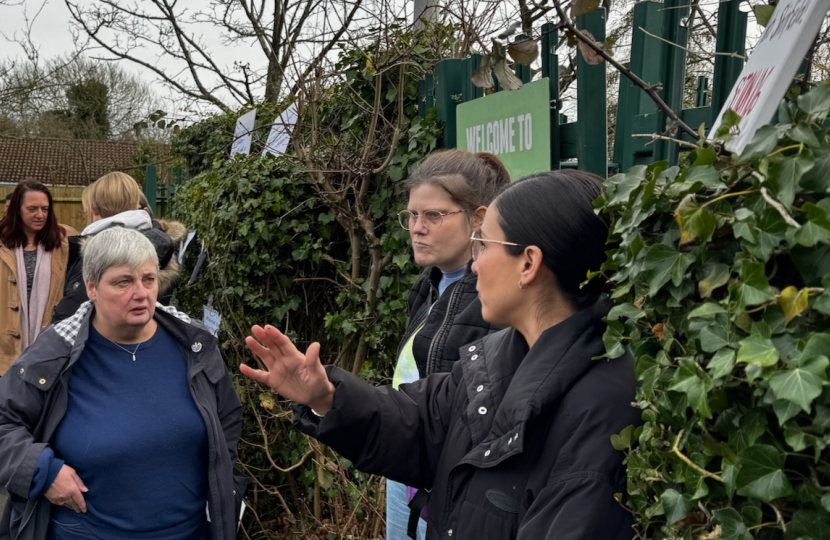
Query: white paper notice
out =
(771, 68)
(243, 133)
(212, 320)
(281, 130)
(183, 245)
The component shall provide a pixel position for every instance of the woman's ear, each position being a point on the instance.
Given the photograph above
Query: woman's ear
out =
(91, 291)
(478, 217)
(532, 265)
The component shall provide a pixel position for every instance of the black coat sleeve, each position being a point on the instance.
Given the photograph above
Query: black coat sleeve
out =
(74, 289)
(395, 433)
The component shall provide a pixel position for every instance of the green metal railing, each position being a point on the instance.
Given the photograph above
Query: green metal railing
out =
(657, 60)
(158, 193)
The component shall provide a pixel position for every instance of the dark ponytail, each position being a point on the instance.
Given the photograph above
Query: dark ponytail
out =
(554, 211)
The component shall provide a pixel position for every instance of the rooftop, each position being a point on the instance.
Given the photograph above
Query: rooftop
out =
(75, 162)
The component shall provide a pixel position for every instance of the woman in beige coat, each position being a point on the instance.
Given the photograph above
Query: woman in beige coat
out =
(33, 256)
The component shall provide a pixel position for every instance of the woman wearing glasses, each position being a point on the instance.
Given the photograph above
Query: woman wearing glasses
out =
(448, 196)
(514, 442)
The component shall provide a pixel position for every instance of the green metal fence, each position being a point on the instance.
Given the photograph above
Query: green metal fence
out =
(159, 190)
(657, 60)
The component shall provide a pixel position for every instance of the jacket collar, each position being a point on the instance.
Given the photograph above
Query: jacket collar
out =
(541, 376)
(192, 336)
(131, 219)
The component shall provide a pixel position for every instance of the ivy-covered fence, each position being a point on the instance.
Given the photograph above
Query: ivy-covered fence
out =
(309, 242)
(722, 269)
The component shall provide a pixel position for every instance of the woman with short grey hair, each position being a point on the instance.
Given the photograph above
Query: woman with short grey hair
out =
(121, 421)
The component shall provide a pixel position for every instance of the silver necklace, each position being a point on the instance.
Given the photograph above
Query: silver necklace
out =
(125, 350)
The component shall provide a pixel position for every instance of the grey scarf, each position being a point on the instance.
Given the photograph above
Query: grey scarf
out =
(31, 313)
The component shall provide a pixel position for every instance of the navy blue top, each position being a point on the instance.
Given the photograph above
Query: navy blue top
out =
(137, 440)
(448, 278)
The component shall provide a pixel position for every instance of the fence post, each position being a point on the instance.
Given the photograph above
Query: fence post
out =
(731, 38)
(550, 69)
(674, 72)
(702, 91)
(426, 95)
(636, 112)
(522, 71)
(150, 186)
(469, 91)
(592, 121)
(448, 90)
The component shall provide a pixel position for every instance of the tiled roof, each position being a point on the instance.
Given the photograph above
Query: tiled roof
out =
(65, 161)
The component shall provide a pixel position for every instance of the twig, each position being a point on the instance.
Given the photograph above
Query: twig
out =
(691, 463)
(657, 137)
(693, 53)
(264, 447)
(727, 196)
(780, 209)
(779, 517)
(647, 88)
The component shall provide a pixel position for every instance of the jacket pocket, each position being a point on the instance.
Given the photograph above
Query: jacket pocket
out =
(240, 484)
(481, 523)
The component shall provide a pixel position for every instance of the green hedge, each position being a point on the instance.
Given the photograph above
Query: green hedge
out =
(289, 245)
(721, 268)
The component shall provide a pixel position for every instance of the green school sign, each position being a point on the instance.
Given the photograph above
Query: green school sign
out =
(515, 126)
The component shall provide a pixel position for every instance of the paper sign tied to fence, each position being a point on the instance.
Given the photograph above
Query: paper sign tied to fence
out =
(280, 134)
(212, 319)
(243, 133)
(769, 72)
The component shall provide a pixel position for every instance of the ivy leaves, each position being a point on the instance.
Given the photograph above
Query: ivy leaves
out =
(761, 474)
(722, 274)
(664, 263)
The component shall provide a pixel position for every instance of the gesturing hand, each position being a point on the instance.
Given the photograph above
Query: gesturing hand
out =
(67, 490)
(296, 376)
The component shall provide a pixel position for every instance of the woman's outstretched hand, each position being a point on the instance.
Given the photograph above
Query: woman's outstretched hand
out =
(296, 376)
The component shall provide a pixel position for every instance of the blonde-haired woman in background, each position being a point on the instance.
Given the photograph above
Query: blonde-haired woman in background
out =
(114, 200)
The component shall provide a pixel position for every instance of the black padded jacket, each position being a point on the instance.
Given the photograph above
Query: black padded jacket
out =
(454, 320)
(514, 443)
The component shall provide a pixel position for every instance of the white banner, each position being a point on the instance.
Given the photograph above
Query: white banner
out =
(281, 130)
(770, 70)
(243, 133)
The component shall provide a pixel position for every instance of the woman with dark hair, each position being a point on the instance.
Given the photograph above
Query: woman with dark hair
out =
(33, 256)
(515, 441)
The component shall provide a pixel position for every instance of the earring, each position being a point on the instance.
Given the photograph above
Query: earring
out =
(522, 285)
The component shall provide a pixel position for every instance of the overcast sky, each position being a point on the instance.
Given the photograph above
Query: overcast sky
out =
(51, 32)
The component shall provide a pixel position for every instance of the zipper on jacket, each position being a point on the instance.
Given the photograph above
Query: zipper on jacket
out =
(215, 520)
(441, 328)
(415, 325)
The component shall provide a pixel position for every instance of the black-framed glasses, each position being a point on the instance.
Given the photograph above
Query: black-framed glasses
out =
(431, 219)
(478, 244)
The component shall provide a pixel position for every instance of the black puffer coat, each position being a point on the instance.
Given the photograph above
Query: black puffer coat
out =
(513, 443)
(453, 321)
